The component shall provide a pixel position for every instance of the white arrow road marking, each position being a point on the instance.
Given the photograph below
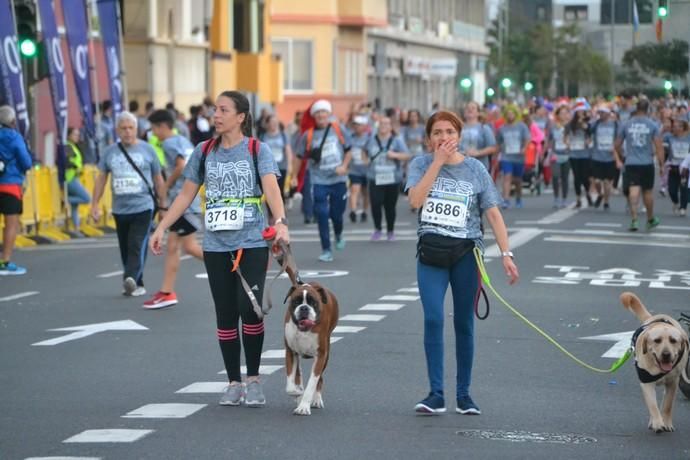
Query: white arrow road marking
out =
(90, 329)
(517, 239)
(622, 340)
(21, 295)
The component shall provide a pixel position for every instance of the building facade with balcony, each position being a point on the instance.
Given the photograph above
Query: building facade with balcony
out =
(323, 48)
(426, 49)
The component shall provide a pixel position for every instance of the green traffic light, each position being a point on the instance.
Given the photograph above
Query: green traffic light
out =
(466, 83)
(28, 47)
(506, 83)
(662, 12)
(490, 92)
(668, 86)
(528, 86)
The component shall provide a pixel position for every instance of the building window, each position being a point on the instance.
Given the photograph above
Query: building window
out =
(297, 57)
(623, 11)
(575, 13)
(541, 13)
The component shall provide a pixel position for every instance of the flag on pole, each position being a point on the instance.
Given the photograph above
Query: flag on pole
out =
(636, 22)
(110, 32)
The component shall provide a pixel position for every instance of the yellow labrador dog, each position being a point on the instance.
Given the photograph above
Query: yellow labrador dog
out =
(661, 353)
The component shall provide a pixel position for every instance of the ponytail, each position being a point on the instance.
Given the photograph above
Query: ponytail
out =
(247, 125)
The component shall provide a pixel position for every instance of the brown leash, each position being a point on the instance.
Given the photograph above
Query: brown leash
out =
(283, 255)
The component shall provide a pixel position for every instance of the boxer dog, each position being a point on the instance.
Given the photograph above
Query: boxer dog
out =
(311, 316)
(660, 348)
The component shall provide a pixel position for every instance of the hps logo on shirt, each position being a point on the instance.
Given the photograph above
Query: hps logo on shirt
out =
(230, 180)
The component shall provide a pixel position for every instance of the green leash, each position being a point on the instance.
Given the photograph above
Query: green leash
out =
(487, 282)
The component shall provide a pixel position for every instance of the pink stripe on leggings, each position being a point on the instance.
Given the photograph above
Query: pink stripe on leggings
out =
(227, 334)
(253, 329)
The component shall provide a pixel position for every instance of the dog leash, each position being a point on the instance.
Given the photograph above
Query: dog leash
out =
(487, 281)
(245, 285)
(283, 255)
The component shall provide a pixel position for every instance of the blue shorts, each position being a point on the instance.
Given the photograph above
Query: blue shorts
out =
(516, 169)
(357, 179)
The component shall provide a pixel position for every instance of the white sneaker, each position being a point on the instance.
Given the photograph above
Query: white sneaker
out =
(129, 286)
(138, 292)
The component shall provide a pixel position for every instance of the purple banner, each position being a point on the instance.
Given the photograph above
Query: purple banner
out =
(110, 34)
(11, 81)
(56, 70)
(78, 40)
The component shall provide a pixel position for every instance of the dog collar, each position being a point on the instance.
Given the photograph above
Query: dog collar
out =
(643, 375)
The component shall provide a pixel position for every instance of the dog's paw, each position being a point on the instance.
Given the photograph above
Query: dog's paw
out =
(657, 425)
(294, 390)
(668, 426)
(317, 402)
(302, 409)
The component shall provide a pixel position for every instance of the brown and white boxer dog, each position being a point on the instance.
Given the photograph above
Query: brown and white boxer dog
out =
(311, 316)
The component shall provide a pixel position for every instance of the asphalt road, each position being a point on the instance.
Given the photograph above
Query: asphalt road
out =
(155, 382)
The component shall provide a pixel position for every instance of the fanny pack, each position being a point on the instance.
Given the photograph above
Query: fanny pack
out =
(442, 251)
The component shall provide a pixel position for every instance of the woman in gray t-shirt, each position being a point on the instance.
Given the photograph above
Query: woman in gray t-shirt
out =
(452, 191)
(234, 175)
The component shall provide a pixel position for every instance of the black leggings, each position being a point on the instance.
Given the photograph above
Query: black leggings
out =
(676, 190)
(581, 174)
(231, 303)
(385, 196)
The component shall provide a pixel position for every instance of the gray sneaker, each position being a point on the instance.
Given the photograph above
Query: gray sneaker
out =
(233, 396)
(255, 395)
(129, 286)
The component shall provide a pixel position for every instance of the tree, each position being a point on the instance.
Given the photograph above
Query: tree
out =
(664, 60)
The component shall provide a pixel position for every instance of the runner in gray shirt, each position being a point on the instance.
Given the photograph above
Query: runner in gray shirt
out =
(603, 165)
(358, 169)
(235, 171)
(134, 177)
(182, 236)
(512, 139)
(642, 141)
(477, 140)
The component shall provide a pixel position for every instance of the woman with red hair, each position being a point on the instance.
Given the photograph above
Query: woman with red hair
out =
(453, 191)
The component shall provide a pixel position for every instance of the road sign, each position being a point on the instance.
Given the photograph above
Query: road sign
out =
(90, 329)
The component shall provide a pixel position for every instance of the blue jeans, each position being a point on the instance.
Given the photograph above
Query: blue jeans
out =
(433, 284)
(329, 202)
(76, 195)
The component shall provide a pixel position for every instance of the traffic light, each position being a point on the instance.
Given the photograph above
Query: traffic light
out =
(668, 86)
(27, 36)
(466, 83)
(490, 92)
(662, 11)
(528, 86)
(506, 83)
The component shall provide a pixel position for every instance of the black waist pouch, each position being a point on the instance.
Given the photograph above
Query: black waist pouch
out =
(442, 251)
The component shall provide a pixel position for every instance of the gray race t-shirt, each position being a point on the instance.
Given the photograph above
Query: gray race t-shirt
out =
(130, 193)
(604, 136)
(577, 144)
(679, 148)
(414, 139)
(277, 143)
(174, 147)
(332, 155)
(383, 171)
(230, 174)
(357, 151)
(560, 148)
(513, 139)
(639, 133)
(467, 185)
(477, 136)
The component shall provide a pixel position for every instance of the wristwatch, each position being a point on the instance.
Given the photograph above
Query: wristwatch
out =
(507, 254)
(282, 220)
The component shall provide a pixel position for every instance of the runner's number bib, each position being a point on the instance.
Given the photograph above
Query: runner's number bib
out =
(448, 210)
(225, 216)
(128, 185)
(330, 155)
(577, 143)
(605, 140)
(277, 151)
(356, 153)
(385, 174)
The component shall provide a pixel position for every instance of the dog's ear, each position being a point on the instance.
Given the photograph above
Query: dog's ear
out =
(322, 292)
(289, 293)
(644, 344)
